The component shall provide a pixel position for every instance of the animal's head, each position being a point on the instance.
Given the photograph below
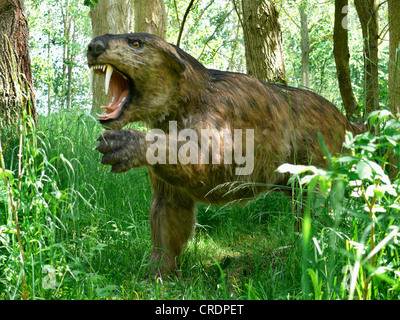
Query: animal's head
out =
(142, 74)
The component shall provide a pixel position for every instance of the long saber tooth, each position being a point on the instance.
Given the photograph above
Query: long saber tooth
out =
(109, 73)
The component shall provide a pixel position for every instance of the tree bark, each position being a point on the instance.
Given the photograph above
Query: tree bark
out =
(394, 59)
(368, 13)
(342, 58)
(109, 16)
(48, 61)
(305, 48)
(150, 17)
(112, 16)
(394, 73)
(70, 61)
(67, 25)
(16, 84)
(263, 41)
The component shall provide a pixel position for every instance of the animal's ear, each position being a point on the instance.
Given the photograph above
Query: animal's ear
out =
(174, 61)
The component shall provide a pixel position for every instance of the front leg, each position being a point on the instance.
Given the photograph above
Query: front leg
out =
(123, 149)
(172, 222)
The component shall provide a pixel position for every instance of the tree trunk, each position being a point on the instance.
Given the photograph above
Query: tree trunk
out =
(342, 58)
(67, 24)
(48, 61)
(394, 73)
(368, 13)
(70, 61)
(305, 48)
(16, 85)
(263, 41)
(109, 16)
(150, 17)
(394, 59)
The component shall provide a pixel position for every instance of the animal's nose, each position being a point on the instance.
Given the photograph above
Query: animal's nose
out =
(96, 48)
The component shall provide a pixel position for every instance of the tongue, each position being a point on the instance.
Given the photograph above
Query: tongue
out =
(115, 106)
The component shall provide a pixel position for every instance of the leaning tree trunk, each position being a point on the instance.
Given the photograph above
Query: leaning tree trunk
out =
(150, 17)
(368, 13)
(263, 41)
(16, 85)
(394, 59)
(305, 48)
(342, 58)
(394, 72)
(109, 16)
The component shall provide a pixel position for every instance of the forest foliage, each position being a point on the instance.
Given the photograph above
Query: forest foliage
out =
(212, 34)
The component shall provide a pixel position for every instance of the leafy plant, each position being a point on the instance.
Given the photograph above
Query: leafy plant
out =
(371, 197)
(90, 3)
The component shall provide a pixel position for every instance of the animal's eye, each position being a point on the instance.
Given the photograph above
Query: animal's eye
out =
(135, 44)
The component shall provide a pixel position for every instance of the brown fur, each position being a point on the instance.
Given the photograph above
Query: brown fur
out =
(168, 84)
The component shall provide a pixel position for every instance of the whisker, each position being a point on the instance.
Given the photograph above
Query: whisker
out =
(136, 55)
(140, 62)
(137, 64)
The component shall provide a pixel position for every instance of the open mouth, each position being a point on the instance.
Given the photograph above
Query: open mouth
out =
(117, 86)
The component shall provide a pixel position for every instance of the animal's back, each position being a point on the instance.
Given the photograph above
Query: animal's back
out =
(285, 121)
(279, 115)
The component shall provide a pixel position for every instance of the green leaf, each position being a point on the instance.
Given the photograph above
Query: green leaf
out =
(9, 175)
(345, 159)
(379, 172)
(290, 168)
(99, 247)
(364, 171)
(395, 206)
(106, 291)
(391, 141)
(317, 284)
(348, 140)
(392, 127)
(310, 181)
(380, 115)
(380, 190)
(325, 186)
(90, 3)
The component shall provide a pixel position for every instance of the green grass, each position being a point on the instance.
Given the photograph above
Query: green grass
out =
(85, 233)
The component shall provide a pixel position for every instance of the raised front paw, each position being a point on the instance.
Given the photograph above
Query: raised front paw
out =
(122, 149)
